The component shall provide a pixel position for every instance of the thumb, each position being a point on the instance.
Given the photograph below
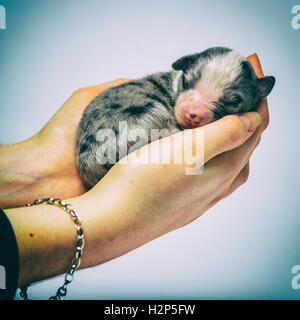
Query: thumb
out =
(228, 133)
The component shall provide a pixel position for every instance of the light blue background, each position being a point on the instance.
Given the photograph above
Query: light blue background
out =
(244, 247)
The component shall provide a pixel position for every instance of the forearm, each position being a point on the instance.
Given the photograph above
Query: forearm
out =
(46, 241)
(46, 235)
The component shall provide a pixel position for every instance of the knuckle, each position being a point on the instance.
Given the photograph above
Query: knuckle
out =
(80, 92)
(264, 113)
(82, 95)
(118, 81)
(122, 80)
(245, 175)
(224, 194)
(265, 122)
(257, 142)
(217, 199)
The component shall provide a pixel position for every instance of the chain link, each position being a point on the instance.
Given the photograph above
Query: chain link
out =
(62, 291)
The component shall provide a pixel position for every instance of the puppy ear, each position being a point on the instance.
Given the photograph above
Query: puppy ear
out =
(184, 63)
(265, 86)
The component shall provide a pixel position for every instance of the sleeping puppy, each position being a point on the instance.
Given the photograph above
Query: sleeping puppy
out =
(201, 88)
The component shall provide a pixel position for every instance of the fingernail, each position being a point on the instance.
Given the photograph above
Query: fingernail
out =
(251, 120)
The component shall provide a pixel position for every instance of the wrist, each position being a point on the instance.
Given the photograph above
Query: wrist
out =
(23, 167)
(113, 224)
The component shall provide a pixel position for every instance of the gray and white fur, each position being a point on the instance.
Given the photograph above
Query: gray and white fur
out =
(201, 88)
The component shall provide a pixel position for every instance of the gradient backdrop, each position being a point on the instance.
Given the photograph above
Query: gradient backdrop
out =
(244, 247)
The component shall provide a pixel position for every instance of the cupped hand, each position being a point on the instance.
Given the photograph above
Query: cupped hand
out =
(137, 202)
(133, 203)
(45, 166)
(56, 141)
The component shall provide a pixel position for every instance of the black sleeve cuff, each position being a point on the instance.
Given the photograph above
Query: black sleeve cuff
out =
(9, 259)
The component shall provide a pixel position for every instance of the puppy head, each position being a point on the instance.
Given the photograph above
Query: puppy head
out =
(214, 83)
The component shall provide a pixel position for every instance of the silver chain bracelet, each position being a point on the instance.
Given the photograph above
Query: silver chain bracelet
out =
(62, 291)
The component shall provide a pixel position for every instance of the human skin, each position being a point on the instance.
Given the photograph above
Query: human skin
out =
(44, 165)
(131, 205)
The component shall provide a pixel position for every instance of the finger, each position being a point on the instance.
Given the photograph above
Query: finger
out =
(241, 178)
(89, 93)
(263, 104)
(104, 86)
(263, 111)
(254, 60)
(73, 108)
(228, 133)
(229, 164)
(237, 182)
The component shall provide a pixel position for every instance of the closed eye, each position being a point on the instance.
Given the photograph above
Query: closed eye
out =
(233, 100)
(237, 100)
(185, 84)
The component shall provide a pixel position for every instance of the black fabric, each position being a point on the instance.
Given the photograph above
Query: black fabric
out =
(9, 259)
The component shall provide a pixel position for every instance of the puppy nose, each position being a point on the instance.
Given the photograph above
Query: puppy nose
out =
(192, 118)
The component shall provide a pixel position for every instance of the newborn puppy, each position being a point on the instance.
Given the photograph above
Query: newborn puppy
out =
(201, 88)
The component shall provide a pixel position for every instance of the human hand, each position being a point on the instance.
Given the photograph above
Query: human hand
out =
(45, 165)
(56, 140)
(137, 202)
